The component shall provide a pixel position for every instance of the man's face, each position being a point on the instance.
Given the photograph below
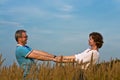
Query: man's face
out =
(24, 38)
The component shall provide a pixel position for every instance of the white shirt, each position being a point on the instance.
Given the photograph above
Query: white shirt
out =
(85, 56)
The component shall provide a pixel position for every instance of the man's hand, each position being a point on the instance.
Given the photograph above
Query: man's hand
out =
(58, 58)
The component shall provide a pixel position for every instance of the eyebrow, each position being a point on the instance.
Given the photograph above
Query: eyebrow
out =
(25, 36)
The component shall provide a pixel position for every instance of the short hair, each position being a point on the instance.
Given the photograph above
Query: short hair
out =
(98, 38)
(18, 34)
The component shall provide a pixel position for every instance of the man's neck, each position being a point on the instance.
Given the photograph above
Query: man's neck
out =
(21, 44)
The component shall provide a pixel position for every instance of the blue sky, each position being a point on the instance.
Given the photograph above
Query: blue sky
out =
(60, 27)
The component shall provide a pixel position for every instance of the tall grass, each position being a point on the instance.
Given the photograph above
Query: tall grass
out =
(63, 71)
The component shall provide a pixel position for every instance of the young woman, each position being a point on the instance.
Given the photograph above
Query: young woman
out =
(90, 54)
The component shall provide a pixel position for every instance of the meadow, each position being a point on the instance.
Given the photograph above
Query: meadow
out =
(63, 71)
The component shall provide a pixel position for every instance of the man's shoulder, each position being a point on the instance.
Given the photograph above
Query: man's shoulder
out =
(20, 47)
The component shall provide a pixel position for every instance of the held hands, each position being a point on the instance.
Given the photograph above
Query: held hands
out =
(63, 59)
(58, 59)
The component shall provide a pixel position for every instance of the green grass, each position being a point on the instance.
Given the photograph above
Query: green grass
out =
(63, 71)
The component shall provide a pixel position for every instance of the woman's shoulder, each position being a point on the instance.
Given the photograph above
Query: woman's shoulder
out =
(95, 52)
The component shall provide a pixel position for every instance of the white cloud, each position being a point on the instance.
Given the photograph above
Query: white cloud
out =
(3, 1)
(46, 31)
(117, 4)
(9, 23)
(60, 10)
(37, 30)
(67, 8)
(27, 10)
(64, 16)
(117, 0)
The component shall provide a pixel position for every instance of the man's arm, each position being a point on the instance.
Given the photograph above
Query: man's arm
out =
(41, 55)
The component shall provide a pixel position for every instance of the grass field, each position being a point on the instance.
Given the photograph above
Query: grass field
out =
(63, 71)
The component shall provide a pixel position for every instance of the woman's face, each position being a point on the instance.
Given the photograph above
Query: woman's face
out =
(91, 41)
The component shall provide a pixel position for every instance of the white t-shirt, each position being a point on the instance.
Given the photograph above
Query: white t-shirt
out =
(85, 56)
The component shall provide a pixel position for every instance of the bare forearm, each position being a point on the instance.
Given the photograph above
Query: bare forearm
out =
(68, 59)
(65, 59)
(43, 53)
(44, 58)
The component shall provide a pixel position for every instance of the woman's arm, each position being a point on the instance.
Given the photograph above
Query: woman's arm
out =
(65, 58)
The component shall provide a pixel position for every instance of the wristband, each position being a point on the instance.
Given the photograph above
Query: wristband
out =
(54, 56)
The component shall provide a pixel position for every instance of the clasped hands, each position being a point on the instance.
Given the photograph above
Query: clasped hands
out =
(62, 59)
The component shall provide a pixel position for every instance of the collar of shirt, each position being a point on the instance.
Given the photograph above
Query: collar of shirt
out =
(19, 45)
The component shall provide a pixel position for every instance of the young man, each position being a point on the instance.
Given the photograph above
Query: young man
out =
(26, 55)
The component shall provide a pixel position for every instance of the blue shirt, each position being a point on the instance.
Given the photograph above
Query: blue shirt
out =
(21, 55)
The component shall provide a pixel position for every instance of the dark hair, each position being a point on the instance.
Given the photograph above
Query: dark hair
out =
(98, 38)
(18, 34)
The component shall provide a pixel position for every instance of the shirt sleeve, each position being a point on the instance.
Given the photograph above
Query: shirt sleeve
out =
(85, 56)
(24, 51)
(29, 50)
